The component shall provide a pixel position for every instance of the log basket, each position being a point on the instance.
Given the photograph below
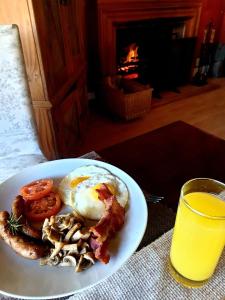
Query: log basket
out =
(127, 99)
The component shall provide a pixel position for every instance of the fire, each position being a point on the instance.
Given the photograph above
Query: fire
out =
(132, 55)
(130, 61)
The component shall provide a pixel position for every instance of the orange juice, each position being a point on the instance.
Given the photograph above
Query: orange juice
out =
(199, 235)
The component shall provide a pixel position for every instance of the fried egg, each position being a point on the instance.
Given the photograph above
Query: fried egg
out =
(86, 200)
(69, 184)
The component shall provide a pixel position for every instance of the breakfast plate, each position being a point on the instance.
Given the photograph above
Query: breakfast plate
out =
(26, 279)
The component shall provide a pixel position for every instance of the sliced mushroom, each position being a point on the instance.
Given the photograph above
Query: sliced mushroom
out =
(69, 221)
(71, 247)
(54, 261)
(85, 261)
(84, 247)
(89, 256)
(58, 247)
(80, 234)
(50, 261)
(79, 264)
(70, 242)
(61, 254)
(66, 222)
(68, 261)
(83, 251)
(71, 232)
(52, 220)
(50, 234)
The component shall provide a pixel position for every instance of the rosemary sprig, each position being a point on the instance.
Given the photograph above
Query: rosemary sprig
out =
(14, 224)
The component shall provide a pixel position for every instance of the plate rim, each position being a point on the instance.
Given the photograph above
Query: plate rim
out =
(138, 241)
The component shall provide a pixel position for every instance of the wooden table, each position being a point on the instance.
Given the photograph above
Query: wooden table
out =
(162, 160)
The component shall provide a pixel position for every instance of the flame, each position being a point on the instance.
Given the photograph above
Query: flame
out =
(132, 55)
(129, 63)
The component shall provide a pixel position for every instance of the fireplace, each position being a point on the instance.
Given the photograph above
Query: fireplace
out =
(118, 44)
(179, 18)
(155, 52)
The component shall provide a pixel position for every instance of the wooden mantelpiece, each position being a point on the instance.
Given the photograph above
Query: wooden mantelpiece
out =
(114, 12)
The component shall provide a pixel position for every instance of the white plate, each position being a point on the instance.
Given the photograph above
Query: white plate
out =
(23, 278)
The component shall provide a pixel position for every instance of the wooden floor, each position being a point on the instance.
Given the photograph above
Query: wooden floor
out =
(205, 110)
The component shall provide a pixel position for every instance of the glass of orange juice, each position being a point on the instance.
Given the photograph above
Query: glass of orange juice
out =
(199, 232)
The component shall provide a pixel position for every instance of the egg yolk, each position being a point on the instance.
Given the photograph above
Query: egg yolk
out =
(78, 180)
(98, 186)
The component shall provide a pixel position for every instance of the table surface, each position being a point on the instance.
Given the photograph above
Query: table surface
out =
(162, 160)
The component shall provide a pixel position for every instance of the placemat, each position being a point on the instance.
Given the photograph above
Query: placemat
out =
(145, 276)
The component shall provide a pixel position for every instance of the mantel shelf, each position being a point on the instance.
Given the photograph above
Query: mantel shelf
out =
(114, 12)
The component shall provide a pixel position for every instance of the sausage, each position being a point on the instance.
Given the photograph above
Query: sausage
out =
(18, 212)
(19, 243)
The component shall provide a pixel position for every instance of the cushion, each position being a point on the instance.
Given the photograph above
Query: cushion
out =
(16, 109)
(19, 146)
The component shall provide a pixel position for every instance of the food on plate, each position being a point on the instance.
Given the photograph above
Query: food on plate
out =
(39, 201)
(65, 240)
(18, 211)
(83, 195)
(38, 210)
(70, 242)
(36, 189)
(70, 182)
(86, 200)
(18, 242)
(110, 223)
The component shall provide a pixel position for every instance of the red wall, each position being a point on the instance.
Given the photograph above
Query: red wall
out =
(213, 11)
(222, 30)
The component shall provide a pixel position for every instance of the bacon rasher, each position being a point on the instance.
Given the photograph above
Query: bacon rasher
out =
(111, 222)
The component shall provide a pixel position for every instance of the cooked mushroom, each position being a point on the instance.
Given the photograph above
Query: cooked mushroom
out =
(68, 261)
(68, 221)
(54, 261)
(70, 241)
(83, 246)
(58, 247)
(79, 266)
(51, 235)
(90, 256)
(80, 234)
(85, 261)
(71, 247)
(51, 221)
(71, 232)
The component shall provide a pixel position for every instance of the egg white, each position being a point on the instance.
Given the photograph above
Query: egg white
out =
(86, 200)
(66, 187)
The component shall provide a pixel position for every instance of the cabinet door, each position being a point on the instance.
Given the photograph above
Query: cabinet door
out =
(82, 105)
(61, 33)
(67, 126)
(72, 14)
(51, 42)
(70, 118)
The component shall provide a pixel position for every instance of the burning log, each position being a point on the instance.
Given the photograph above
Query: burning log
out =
(130, 62)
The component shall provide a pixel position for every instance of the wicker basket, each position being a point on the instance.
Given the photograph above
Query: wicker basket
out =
(126, 105)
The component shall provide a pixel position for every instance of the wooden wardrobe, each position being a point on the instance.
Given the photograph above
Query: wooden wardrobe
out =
(52, 34)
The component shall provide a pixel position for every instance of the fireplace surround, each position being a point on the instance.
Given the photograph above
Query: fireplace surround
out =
(111, 14)
(155, 52)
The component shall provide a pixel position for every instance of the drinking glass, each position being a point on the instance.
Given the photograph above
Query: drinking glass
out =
(199, 232)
